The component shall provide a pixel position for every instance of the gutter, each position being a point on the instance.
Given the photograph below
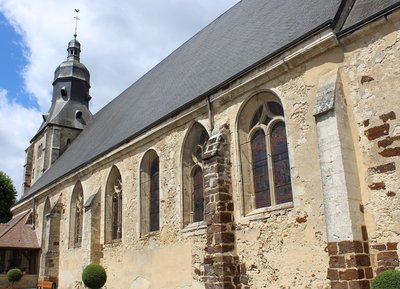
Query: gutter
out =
(224, 84)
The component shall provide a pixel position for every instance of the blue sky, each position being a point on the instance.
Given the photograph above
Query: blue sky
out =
(121, 40)
(12, 63)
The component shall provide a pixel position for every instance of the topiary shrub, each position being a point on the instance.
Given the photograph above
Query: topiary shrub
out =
(389, 279)
(94, 276)
(14, 275)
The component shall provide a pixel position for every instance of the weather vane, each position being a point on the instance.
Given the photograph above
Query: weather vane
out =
(76, 21)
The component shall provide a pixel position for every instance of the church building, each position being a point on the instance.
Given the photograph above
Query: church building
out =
(262, 153)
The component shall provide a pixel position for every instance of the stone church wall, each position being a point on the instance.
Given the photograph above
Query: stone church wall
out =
(372, 68)
(285, 248)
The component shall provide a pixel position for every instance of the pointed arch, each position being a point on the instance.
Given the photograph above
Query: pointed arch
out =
(149, 193)
(113, 206)
(45, 223)
(51, 237)
(264, 156)
(76, 216)
(192, 174)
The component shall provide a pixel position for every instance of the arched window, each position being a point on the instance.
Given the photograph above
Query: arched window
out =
(76, 216)
(198, 194)
(113, 208)
(264, 153)
(192, 173)
(154, 196)
(260, 170)
(46, 224)
(150, 193)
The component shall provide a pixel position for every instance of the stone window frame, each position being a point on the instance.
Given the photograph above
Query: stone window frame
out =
(246, 185)
(76, 216)
(113, 228)
(45, 236)
(189, 163)
(39, 150)
(146, 198)
(45, 222)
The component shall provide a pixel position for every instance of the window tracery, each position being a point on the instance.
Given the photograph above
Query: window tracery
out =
(117, 211)
(150, 193)
(193, 177)
(264, 154)
(113, 208)
(76, 216)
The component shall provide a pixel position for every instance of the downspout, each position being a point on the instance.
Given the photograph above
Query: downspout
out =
(33, 213)
(210, 114)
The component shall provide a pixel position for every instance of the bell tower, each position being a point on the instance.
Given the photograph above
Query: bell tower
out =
(68, 115)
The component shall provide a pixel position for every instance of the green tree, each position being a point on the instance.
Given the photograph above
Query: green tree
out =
(8, 196)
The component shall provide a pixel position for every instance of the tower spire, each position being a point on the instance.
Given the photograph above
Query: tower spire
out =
(76, 22)
(74, 47)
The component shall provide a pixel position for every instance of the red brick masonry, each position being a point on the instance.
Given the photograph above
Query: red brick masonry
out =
(352, 264)
(221, 263)
(349, 265)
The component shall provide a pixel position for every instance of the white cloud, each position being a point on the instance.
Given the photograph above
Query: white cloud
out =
(17, 126)
(121, 40)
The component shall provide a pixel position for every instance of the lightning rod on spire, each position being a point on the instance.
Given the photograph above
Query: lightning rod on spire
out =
(76, 21)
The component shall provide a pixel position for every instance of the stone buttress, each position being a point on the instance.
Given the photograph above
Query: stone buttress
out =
(222, 266)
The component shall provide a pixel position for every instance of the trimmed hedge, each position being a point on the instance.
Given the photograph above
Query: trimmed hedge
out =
(14, 275)
(94, 276)
(389, 279)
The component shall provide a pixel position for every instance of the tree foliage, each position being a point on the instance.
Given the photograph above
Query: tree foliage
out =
(8, 196)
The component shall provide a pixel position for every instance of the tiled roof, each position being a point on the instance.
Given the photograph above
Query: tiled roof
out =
(3, 227)
(17, 234)
(249, 33)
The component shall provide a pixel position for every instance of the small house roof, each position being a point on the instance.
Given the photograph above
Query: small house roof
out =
(17, 234)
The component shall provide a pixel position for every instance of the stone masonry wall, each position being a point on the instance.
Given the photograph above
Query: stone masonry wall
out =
(372, 66)
(282, 247)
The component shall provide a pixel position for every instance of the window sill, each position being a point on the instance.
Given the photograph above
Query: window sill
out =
(150, 234)
(267, 212)
(76, 247)
(198, 228)
(114, 243)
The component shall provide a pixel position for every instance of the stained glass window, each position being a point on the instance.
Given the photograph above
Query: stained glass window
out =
(115, 218)
(117, 211)
(78, 225)
(275, 108)
(260, 170)
(280, 159)
(154, 196)
(192, 175)
(256, 117)
(203, 137)
(76, 215)
(198, 197)
(270, 168)
(113, 209)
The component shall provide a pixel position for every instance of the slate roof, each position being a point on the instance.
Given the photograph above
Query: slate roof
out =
(364, 9)
(17, 234)
(244, 36)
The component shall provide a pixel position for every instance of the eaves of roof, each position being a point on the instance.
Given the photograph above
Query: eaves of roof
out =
(246, 36)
